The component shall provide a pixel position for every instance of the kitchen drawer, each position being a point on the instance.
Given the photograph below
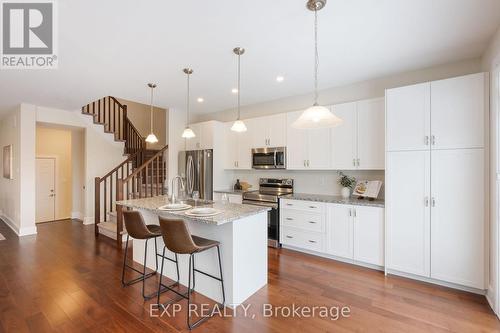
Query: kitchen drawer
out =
(308, 206)
(306, 240)
(302, 220)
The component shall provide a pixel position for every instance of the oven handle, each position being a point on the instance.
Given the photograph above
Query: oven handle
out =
(260, 203)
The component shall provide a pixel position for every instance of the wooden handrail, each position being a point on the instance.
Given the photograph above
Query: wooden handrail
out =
(145, 164)
(128, 160)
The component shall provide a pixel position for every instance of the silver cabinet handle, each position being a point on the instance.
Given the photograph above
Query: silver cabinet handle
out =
(350, 212)
(426, 201)
(289, 236)
(312, 241)
(312, 222)
(433, 202)
(433, 140)
(353, 162)
(289, 219)
(308, 163)
(313, 207)
(426, 140)
(289, 204)
(357, 161)
(355, 213)
(305, 164)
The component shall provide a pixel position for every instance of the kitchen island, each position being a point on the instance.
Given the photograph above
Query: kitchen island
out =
(242, 232)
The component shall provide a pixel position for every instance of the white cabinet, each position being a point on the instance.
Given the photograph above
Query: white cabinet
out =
(408, 117)
(457, 217)
(458, 110)
(306, 149)
(340, 236)
(268, 131)
(233, 198)
(359, 142)
(204, 138)
(408, 212)
(356, 233)
(238, 149)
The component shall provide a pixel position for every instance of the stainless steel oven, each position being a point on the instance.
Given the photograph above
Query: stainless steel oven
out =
(269, 158)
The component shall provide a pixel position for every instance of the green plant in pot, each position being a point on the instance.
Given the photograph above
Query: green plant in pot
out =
(347, 183)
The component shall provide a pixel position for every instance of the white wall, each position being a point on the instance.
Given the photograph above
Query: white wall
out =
(491, 63)
(17, 196)
(176, 124)
(78, 173)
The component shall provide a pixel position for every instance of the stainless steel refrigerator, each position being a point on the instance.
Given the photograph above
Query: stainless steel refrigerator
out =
(196, 169)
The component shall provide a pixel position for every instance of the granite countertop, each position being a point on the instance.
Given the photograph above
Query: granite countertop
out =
(230, 212)
(334, 199)
(231, 191)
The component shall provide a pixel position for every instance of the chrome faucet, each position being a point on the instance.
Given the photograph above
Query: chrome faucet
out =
(173, 187)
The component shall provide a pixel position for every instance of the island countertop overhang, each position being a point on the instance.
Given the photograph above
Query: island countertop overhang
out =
(230, 212)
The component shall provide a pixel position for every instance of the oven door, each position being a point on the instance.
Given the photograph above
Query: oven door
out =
(273, 221)
(269, 158)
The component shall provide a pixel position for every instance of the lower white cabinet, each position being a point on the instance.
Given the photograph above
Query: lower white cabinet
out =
(345, 231)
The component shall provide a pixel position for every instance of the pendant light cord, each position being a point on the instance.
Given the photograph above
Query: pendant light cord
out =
(239, 83)
(151, 112)
(316, 57)
(187, 102)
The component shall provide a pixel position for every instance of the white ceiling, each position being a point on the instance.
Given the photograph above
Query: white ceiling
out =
(115, 47)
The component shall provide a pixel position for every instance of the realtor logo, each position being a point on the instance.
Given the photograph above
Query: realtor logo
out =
(28, 35)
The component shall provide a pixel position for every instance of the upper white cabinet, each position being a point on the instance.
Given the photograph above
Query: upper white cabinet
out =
(268, 131)
(358, 143)
(204, 138)
(445, 114)
(408, 117)
(457, 112)
(306, 149)
(238, 149)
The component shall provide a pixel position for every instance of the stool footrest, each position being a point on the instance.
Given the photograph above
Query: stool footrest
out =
(206, 274)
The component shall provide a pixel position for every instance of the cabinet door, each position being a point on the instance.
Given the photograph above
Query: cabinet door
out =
(457, 112)
(244, 150)
(276, 127)
(457, 217)
(296, 143)
(318, 149)
(371, 134)
(340, 230)
(408, 212)
(231, 146)
(369, 235)
(257, 129)
(344, 137)
(408, 117)
(194, 143)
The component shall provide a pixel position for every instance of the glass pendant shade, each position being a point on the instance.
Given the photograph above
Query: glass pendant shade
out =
(316, 116)
(239, 126)
(188, 133)
(152, 138)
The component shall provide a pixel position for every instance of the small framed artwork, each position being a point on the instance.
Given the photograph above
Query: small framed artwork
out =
(7, 162)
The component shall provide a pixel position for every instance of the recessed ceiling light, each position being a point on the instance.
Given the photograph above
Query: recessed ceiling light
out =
(279, 78)
(234, 91)
(200, 100)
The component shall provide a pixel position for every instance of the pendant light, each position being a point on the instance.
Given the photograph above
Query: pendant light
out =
(239, 125)
(188, 132)
(316, 116)
(151, 137)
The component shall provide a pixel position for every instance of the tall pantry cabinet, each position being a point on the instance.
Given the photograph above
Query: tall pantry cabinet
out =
(435, 180)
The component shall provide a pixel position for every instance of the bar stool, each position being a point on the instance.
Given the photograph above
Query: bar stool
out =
(137, 229)
(179, 240)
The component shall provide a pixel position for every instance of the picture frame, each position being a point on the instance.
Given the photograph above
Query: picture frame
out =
(7, 162)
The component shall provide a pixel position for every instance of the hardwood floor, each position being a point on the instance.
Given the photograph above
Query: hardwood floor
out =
(63, 280)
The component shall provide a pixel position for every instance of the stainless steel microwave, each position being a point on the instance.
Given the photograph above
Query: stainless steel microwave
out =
(269, 158)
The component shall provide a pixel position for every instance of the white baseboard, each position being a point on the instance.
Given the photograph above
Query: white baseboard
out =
(18, 231)
(490, 297)
(87, 220)
(77, 215)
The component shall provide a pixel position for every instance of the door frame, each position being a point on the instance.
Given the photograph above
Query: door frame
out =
(56, 169)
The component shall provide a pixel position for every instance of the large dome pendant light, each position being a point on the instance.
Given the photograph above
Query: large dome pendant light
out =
(239, 125)
(188, 132)
(316, 116)
(151, 137)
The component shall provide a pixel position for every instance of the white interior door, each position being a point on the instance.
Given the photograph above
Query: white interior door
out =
(457, 115)
(344, 137)
(408, 212)
(371, 134)
(408, 117)
(45, 189)
(457, 217)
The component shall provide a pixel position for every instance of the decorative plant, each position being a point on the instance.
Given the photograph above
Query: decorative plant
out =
(346, 181)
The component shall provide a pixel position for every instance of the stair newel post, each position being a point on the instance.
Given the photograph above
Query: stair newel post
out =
(119, 213)
(125, 129)
(97, 205)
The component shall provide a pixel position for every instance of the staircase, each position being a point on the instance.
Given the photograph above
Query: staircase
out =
(143, 173)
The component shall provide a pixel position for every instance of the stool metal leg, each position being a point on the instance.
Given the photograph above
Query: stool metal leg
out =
(169, 287)
(124, 261)
(221, 277)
